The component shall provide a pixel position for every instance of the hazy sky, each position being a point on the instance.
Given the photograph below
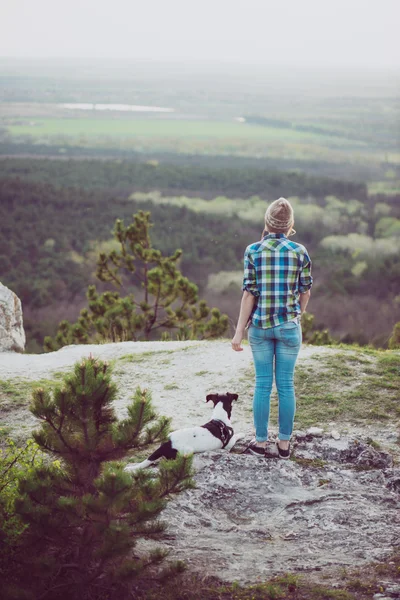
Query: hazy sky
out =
(307, 32)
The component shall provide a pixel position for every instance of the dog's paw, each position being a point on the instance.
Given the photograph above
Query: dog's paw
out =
(133, 467)
(240, 436)
(129, 469)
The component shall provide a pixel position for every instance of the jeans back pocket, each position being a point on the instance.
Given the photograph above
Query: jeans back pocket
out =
(291, 333)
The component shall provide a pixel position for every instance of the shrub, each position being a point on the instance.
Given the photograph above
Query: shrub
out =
(169, 301)
(85, 513)
(394, 341)
(312, 335)
(15, 462)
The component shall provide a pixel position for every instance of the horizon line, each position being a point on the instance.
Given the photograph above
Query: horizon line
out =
(206, 62)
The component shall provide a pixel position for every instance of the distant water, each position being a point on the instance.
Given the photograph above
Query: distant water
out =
(119, 107)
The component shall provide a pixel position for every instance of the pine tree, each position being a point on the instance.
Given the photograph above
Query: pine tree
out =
(394, 341)
(84, 511)
(168, 300)
(317, 337)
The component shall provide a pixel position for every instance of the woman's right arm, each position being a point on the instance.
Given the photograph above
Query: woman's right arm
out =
(249, 298)
(246, 308)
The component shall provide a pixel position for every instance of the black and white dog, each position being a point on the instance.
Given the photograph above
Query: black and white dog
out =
(217, 434)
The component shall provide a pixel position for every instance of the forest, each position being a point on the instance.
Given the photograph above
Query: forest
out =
(204, 150)
(122, 175)
(56, 216)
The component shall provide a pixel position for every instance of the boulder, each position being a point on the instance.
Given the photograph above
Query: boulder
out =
(12, 334)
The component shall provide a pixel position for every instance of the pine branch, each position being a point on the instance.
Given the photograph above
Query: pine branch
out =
(153, 433)
(156, 307)
(62, 410)
(149, 529)
(140, 417)
(146, 284)
(55, 429)
(180, 476)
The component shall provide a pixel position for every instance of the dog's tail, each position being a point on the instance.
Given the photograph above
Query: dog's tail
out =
(164, 451)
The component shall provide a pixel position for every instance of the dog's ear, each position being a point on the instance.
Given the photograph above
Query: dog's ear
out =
(213, 397)
(232, 396)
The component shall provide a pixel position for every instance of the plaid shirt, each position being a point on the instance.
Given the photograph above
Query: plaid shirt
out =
(276, 271)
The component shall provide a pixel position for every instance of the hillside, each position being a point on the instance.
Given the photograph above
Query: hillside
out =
(334, 506)
(353, 238)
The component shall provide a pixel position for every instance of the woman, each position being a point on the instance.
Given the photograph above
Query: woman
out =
(277, 283)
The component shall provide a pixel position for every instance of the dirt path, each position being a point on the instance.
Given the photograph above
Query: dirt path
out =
(179, 375)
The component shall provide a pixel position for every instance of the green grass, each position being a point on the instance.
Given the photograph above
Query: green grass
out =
(15, 390)
(361, 387)
(314, 463)
(133, 358)
(15, 398)
(141, 357)
(171, 386)
(196, 137)
(16, 394)
(59, 374)
(169, 128)
(355, 385)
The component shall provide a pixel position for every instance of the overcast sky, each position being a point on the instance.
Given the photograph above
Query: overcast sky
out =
(292, 32)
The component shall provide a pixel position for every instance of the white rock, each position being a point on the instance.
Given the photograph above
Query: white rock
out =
(335, 434)
(305, 454)
(393, 589)
(299, 435)
(12, 334)
(315, 431)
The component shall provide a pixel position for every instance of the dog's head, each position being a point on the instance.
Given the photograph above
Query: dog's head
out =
(225, 399)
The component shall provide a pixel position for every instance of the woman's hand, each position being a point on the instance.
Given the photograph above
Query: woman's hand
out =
(237, 340)
(246, 309)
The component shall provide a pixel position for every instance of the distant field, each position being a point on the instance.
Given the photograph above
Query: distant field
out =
(202, 137)
(347, 120)
(157, 128)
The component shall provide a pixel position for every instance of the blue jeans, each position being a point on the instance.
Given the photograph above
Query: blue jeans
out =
(282, 343)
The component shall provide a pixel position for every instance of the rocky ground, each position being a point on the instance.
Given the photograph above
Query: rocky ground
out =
(250, 518)
(335, 505)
